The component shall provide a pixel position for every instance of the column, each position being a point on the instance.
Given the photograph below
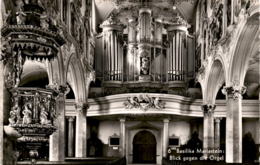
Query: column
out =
(122, 136)
(71, 136)
(57, 139)
(208, 127)
(165, 136)
(81, 130)
(234, 123)
(217, 133)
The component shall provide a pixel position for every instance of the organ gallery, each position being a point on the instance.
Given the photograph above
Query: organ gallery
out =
(129, 82)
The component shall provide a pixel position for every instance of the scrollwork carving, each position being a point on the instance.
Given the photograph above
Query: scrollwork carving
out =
(144, 102)
(15, 65)
(32, 106)
(208, 109)
(81, 106)
(112, 20)
(234, 91)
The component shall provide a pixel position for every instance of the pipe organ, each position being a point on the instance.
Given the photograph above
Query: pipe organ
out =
(112, 50)
(153, 50)
(177, 52)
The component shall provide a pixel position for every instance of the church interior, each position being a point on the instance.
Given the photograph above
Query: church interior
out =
(117, 82)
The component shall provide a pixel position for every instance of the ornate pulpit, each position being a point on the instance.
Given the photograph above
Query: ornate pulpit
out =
(30, 34)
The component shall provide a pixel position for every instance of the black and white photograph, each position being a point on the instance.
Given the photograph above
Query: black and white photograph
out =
(130, 82)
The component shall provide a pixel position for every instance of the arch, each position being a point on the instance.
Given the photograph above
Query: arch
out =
(75, 77)
(70, 94)
(246, 46)
(215, 79)
(55, 69)
(34, 74)
(144, 147)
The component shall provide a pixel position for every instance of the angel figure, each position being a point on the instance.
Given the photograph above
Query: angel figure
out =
(157, 104)
(133, 101)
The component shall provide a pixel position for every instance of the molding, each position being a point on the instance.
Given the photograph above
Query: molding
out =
(174, 105)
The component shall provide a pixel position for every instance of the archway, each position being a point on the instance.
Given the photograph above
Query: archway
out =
(214, 81)
(144, 147)
(34, 74)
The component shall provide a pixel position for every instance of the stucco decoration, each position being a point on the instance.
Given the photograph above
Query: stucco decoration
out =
(234, 91)
(144, 102)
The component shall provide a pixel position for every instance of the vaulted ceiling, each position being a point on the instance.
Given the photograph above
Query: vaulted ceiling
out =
(186, 8)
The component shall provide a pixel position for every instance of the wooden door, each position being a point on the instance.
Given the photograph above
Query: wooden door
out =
(144, 147)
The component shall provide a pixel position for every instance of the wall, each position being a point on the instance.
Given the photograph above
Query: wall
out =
(105, 130)
(180, 129)
(250, 125)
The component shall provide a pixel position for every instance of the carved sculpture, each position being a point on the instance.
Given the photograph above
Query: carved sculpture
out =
(20, 15)
(216, 24)
(12, 118)
(33, 109)
(145, 65)
(27, 114)
(44, 21)
(144, 102)
(43, 115)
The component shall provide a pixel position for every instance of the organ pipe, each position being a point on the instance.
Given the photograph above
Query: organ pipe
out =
(112, 49)
(177, 54)
(148, 54)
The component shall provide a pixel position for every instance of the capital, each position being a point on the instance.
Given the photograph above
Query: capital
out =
(80, 106)
(70, 118)
(208, 108)
(166, 120)
(218, 119)
(234, 91)
(122, 120)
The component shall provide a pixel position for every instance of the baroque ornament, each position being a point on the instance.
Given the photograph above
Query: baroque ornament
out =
(235, 91)
(208, 109)
(144, 102)
(81, 106)
(32, 114)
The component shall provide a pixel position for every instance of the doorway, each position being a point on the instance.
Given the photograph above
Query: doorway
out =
(144, 147)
